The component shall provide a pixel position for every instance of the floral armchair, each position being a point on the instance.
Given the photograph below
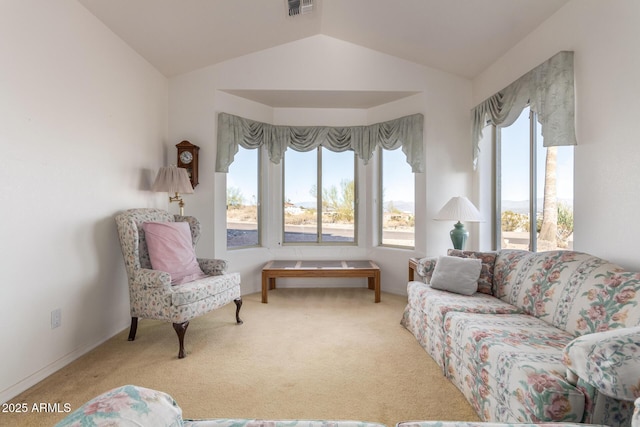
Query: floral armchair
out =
(152, 294)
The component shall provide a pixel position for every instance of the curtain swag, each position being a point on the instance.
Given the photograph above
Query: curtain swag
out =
(405, 132)
(548, 89)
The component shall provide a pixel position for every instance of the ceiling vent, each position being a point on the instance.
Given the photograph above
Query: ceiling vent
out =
(299, 7)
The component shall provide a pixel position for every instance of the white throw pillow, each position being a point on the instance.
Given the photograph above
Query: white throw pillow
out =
(455, 274)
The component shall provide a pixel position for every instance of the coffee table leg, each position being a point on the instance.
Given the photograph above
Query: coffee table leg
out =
(377, 285)
(264, 287)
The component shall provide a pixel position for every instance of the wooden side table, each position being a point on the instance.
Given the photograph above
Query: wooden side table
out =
(413, 266)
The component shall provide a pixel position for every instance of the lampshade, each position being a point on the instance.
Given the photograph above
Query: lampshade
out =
(172, 179)
(459, 209)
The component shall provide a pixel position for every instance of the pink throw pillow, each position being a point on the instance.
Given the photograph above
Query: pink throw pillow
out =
(171, 249)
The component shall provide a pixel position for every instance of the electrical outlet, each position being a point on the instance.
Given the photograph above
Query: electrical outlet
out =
(56, 318)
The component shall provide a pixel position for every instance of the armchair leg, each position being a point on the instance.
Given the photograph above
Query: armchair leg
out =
(134, 328)
(181, 328)
(238, 305)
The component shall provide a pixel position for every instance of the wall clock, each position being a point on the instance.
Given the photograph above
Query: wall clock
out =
(188, 159)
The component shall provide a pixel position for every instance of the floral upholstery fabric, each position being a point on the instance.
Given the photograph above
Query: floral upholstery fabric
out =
(425, 268)
(127, 406)
(201, 289)
(211, 302)
(573, 291)
(132, 237)
(151, 294)
(277, 423)
(608, 361)
(562, 344)
(427, 308)
(510, 367)
(485, 281)
(602, 409)
(213, 267)
(137, 406)
(487, 424)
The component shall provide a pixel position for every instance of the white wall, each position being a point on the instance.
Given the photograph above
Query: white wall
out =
(604, 37)
(324, 63)
(82, 122)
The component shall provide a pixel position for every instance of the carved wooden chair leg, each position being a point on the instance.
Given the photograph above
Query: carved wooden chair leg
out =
(181, 328)
(238, 305)
(134, 328)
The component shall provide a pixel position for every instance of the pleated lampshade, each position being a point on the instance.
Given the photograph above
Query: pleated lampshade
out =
(172, 179)
(459, 209)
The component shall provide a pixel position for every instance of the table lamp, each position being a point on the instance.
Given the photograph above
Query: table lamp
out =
(459, 209)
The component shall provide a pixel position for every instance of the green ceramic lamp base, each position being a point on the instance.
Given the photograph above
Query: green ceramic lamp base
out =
(459, 236)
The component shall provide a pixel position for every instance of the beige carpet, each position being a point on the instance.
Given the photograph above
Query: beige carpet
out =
(308, 354)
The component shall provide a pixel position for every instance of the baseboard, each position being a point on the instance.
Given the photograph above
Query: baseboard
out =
(33, 379)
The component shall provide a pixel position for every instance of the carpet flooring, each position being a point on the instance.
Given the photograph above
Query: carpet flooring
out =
(314, 353)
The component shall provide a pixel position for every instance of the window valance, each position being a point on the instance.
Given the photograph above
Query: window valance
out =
(548, 89)
(234, 131)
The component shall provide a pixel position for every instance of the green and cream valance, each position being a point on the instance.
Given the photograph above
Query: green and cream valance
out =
(549, 91)
(405, 132)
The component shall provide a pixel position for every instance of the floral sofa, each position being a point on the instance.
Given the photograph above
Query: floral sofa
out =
(131, 405)
(547, 337)
(138, 406)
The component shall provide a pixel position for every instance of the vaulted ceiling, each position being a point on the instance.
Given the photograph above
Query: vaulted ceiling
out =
(462, 37)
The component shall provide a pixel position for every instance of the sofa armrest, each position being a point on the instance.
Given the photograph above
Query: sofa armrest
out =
(609, 361)
(213, 267)
(148, 279)
(425, 268)
(127, 405)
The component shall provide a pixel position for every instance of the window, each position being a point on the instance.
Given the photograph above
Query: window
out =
(243, 200)
(319, 197)
(397, 196)
(534, 189)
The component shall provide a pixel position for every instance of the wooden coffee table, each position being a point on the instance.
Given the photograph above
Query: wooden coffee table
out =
(275, 269)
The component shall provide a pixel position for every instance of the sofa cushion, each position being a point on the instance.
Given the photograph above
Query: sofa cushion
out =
(171, 249)
(573, 291)
(427, 308)
(510, 367)
(455, 274)
(127, 406)
(488, 259)
(207, 287)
